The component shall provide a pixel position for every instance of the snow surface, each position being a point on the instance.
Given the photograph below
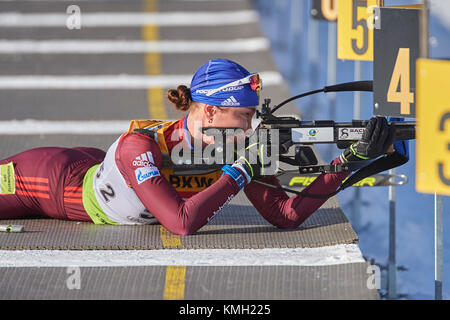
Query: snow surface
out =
(330, 255)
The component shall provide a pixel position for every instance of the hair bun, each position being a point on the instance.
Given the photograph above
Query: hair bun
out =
(181, 97)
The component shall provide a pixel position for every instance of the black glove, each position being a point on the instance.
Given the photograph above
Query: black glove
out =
(376, 139)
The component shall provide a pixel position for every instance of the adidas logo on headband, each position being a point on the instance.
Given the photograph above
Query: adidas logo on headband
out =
(231, 101)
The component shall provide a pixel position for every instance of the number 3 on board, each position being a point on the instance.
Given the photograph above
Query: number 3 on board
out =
(401, 76)
(433, 126)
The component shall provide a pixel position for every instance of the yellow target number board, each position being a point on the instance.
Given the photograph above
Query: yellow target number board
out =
(433, 126)
(355, 29)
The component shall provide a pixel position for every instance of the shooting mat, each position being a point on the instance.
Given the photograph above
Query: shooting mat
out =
(238, 225)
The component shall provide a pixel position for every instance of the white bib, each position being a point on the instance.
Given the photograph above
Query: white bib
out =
(118, 201)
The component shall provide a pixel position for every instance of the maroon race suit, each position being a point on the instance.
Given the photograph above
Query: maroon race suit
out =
(50, 182)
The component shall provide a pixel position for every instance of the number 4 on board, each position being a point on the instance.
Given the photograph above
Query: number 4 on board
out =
(401, 77)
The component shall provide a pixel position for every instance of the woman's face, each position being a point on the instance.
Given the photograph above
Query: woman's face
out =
(223, 117)
(233, 117)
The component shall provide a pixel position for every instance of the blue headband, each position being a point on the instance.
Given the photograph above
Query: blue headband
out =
(216, 73)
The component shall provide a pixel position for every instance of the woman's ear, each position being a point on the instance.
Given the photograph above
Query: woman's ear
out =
(209, 112)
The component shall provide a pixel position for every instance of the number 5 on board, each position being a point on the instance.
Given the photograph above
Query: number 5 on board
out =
(355, 29)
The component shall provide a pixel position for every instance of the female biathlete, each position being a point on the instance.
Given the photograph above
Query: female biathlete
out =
(129, 184)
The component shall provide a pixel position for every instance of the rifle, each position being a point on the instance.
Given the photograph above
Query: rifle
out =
(302, 135)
